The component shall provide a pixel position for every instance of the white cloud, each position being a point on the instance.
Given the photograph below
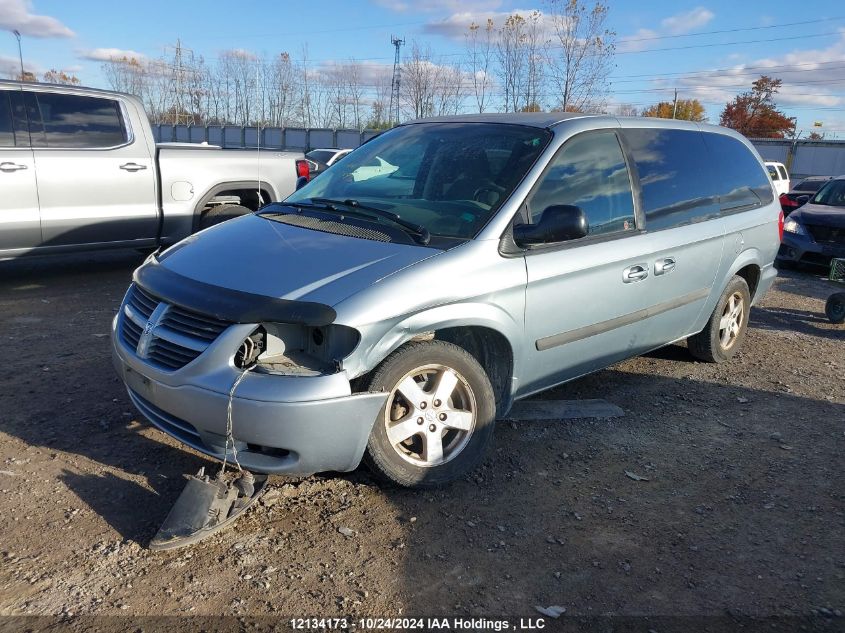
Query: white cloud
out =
(811, 78)
(686, 22)
(430, 6)
(678, 24)
(457, 25)
(106, 54)
(17, 15)
(11, 66)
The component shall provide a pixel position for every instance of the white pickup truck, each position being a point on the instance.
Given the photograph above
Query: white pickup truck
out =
(79, 169)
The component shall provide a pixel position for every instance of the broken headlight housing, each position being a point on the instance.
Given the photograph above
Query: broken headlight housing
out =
(297, 350)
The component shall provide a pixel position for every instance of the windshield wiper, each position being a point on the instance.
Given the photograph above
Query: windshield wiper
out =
(420, 233)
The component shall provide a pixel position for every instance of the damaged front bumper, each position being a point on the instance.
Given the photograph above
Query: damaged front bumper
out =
(294, 425)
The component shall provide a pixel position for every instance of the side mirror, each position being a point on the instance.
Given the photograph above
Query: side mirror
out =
(802, 200)
(559, 223)
(301, 182)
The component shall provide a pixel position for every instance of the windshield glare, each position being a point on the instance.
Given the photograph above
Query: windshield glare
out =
(447, 177)
(832, 194)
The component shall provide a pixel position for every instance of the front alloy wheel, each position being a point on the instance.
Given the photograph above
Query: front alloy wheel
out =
(731, 322)
(438, 418)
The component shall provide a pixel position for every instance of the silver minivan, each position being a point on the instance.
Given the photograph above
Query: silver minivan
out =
(393, 308)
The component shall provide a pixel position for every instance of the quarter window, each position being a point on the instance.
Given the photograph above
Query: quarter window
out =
(742, 182)
(676, 175)
(589, 172)
(782, 171)
(773, 172)
(74, 121)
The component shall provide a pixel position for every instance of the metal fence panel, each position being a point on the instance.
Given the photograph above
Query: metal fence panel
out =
(321, 138)
(348, 139)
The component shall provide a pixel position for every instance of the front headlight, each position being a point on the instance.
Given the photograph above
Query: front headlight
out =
(795, 227)
(293, 349)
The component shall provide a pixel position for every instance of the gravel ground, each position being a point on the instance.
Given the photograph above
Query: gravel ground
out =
(741, 513)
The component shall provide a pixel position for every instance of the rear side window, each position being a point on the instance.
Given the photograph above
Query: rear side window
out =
(742, 181)
(809, 185)
(74, 121)
(782, 171)
(773, 172)
(676, 176)
(589, 172)
(7, 129)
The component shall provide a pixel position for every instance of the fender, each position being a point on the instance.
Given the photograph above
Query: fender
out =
(375, 347)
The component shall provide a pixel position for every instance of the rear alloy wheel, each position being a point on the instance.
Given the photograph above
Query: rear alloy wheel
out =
(726, 328)
(439, 415)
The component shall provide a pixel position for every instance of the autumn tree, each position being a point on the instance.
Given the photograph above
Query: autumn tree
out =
(755, 114)
(53, 76)
(581, 53)
(683, 109)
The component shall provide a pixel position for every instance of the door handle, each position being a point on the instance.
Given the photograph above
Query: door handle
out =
(637, 272)
(7, 167)
(664, 266)
(133, 167)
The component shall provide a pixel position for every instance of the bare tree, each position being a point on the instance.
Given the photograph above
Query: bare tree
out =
(582, 53)
(536, 46)
(511, 54)
(480, 44)
(418, 82)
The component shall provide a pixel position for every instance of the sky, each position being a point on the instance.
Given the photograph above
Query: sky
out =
(706, 49)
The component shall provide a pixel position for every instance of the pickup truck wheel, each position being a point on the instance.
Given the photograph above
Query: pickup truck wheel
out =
(725, 331)
(220, 213)
(834, 307)
(439, 416)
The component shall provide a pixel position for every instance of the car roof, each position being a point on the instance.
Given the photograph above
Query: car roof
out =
(533, 119)
(64, 88)
(818, 178)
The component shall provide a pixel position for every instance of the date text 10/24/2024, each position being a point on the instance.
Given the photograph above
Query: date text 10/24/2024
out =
(420, 624)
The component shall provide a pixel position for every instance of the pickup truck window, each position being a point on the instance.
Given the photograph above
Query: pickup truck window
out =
(589, 172)
(74, 121)
(7, 130)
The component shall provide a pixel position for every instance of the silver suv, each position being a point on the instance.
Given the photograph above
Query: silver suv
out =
(395, 306)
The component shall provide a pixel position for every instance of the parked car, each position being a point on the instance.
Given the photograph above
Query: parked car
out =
(777, 172)
(79, 170)
(801, 192)
(816, 232)
(504, 255)
(322, 159)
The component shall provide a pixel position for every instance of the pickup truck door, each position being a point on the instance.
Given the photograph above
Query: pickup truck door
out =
(96, 177)
(20, 224)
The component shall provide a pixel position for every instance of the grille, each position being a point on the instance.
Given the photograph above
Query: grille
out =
(178, 335)
(827, 234)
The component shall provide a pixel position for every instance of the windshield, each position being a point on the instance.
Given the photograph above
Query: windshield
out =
(449, 178)
(833, 194)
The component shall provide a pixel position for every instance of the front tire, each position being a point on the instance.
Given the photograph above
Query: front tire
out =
(722, 337)
(437, 423)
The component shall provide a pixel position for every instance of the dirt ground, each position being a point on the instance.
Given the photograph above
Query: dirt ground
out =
(742, 512)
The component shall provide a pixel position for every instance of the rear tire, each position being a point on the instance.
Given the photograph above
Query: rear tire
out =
(722, 337)
(437, 423)
(220, 213)
(834, 307)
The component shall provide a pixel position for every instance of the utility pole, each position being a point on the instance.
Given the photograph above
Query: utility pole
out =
(394, 84)
(675, 104)
(20, 53)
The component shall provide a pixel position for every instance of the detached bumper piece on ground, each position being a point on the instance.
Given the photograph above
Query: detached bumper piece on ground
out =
(206, 506)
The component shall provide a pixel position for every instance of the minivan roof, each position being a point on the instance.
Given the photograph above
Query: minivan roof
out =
(37, 85)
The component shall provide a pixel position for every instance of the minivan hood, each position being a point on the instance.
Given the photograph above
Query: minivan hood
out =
(260, 256)
(820, 215)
